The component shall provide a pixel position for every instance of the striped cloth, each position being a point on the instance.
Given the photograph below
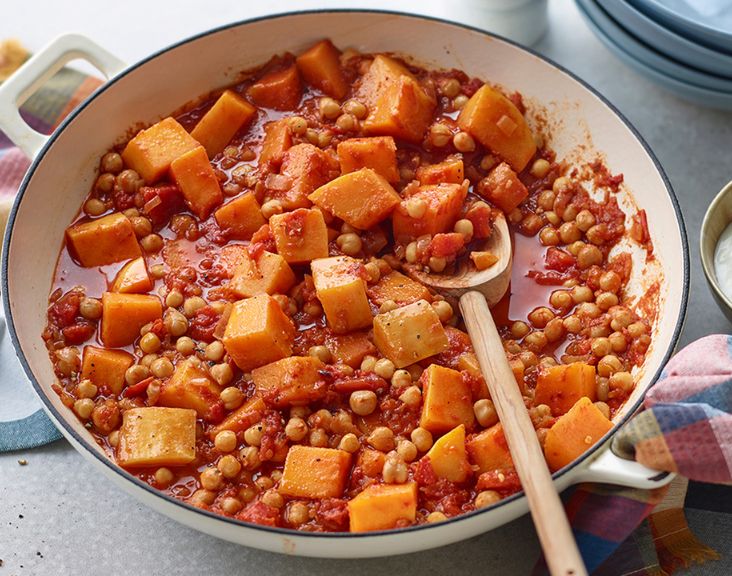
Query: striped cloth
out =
(686, 427)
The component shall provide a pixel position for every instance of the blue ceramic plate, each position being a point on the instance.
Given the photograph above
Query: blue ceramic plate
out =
(691, 92)
(708, 22)
(646, 55)
(666, 41)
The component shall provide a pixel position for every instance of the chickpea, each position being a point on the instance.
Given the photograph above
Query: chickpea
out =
(515, 216)
(185, 345)
(589, 256)
(368, 363)
(459, 101)
(552, 217)
(192, 305)
(394, 471)
(546, 199)
(601, 347)
(549, 236)
(349, 244)
(358, 109)
(174, 298)
(610, 281)
(547, 361)
(157, 271)
(440, 135)
(444, 310)
(222, 373)
(214, 351)
(225, 441)
(296, 429)
(531, 224)
(298, 125)
(609, 365)
(231, 505)
(487, 162)
(86, 389)
(319, 438)
(606, 300)
(589, 310)
(373, 272)
(349, 443)
(363, 402)
(250, 457)
(596, 234)
(599, 331)
(329, 108)
(151, 243)
(575, 247)
(437, 264)
(84, 408)
(346, 122)
(94, 206)
(540, 317)
(570, 213)
(105, 184)
(142, 226)
(161, 368)
(212, 479)
(136, 373)
(604, 408)
(90, 308)
(528, 358)
(406, 450)
(581, 294)
(68, 360)
(561, 184)
(585, 220)
(113, 438)
(436, 516)
(621, 318)
(384, 368)
(131, 212)
(401, 379)
(463, 142)
(536, 341)
(163, 477)
(229, 466)
(232, 397)
(422, 439)
(554, 329)
(321, 353)
(264, 483)
(381, 438)
(561, 300)
(621, 381)
(636, 329)
(618, 342)
(298, 513)
(312, 308)
(410, 252)
(150, 343)
(273, 498)
(450, 87)
(253, 435)
(202, 498)
(486, 498)
(569, 233)
(270, 208)
(412, 396)
(572, 324)
(519, 329)
(466, 228)
(485, 413)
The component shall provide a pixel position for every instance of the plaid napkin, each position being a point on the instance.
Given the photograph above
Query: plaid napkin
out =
(686, 427)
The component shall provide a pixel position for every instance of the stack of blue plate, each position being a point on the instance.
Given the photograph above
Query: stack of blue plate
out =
(683, 45)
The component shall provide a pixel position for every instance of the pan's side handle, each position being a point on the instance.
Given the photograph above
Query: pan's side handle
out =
(608, 468)
(37, 70)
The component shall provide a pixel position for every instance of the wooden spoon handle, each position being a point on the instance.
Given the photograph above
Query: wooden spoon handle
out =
(560, 549)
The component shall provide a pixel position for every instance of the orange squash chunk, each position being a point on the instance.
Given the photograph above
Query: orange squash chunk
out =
(503, 187)
(258, 332)
(242, 418)
(191, 386)
(197, 181)
(152, 151)
(308, 167)
(377, 153)
(124, 314)
(398, 287)
(361, 199)
(268, 274)
(280, 89)
(300, 235)
(559, 387)
(489, 451)
(495, 122)
(320, 66)
(277, 140)
(444, 202)
(448, 457)
(105, 368)
(409, 334)
(293, 380)
(341, 289)
(574, 433)
(382, 506)
(225, 118)
(351, 349)
(483, 260)
(448, 400)
(382, 73)
(103, 241)
(154, 436)
(312, 472)
(449, 171)
(241, 217)
(133, 278)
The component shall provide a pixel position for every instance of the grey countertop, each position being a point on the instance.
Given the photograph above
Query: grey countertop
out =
(58, 516)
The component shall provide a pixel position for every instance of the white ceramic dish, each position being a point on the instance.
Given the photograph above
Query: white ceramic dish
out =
(64, 167)
(666, 41)
(702, 96)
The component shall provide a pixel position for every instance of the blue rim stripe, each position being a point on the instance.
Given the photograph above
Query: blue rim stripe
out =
(331, 535)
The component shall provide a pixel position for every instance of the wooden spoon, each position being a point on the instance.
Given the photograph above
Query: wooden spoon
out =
(477, 291)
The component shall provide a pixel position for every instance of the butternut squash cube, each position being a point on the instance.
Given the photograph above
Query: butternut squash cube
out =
(351, 349)
(124, 314)
(157, 437)
(293, 380)
(341, 289)
(488, 450)
(312, 472)
(105, 368)
(398, 287)
(361, 199)
(377, 153)
(444, 203)
(308, 167)
(448, 457)
(151, 152)
(574, 433)
(197, 181)
(495, 122)
(268, 274)
(300, 235)
(449, 171)
(133, 278)
(225, 118)
(191, 386)
(503, 187)
(559, 387)
(280, 89)
(241, 217)
(448, 400)
(483, 260)
(382, 73)
(320, 66)
(277, 140)
(103, 241)
(409, 334)
(242, 418)
(258, 332)
(382, 506)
